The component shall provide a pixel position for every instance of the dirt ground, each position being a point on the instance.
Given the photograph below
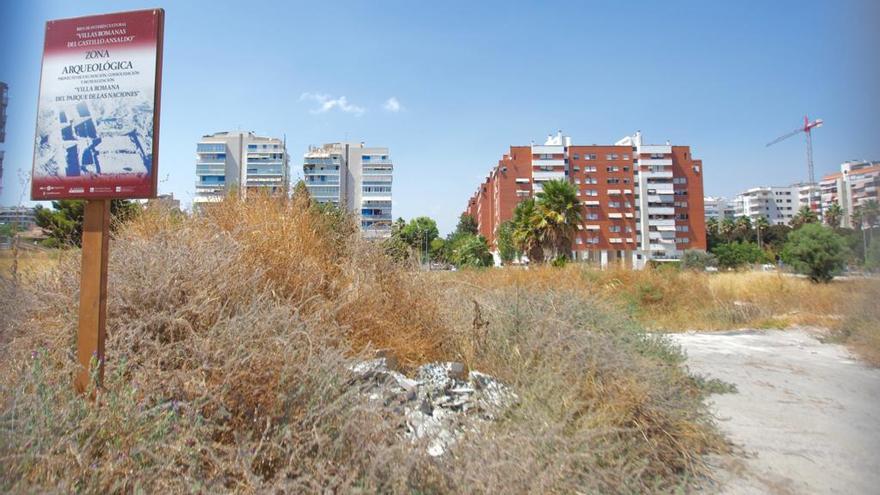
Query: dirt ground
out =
(805, 415)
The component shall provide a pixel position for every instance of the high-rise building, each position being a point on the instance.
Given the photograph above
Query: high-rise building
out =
(777, 204)
(719, 208)
(857, 183)
(4, 101)
(241, 162)
(640, 201)
(355, 178)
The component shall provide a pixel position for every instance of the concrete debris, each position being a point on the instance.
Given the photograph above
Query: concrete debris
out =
(440, 404)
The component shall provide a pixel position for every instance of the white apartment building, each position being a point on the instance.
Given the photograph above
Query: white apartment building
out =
(242, 162)
(777, 204)
(354, 177)
(857, 182)
(719, 208)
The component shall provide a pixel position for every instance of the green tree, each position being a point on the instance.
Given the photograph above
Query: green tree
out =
(816, 251)
(419, 233)
(471, 251)
(833, 215)
(727, 228)
(438, 250)
(869, 212)
(467, 225)
(526, 233)
(507, 250)
(761, 225)
(737, 254)
(804, 216)
(64, 222)
(872, 257)
(559, 214)
(742, 230)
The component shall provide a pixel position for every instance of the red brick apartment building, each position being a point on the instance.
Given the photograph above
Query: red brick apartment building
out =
(640, 201)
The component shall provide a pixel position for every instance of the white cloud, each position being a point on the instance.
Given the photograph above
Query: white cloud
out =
(327, 103)
(392, 105)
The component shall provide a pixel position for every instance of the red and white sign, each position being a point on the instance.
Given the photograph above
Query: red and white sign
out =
(98, 113)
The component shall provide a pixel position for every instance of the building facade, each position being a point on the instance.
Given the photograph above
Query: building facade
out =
(239, 162)
(21, 217)
(777, 204)
(718, 208)
(640, 201)
(4, 102)
(354, 177)
(857, 183)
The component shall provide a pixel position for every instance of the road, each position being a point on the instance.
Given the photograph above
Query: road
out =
(805, 415)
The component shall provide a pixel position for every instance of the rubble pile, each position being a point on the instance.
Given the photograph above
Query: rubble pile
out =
(439, 404)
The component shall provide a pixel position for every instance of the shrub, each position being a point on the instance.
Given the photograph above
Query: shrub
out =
(816, 251)
(698, 260)
(737, 254)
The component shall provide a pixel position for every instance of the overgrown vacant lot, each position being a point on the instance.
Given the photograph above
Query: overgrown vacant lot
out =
(229, 340)
(669, 300)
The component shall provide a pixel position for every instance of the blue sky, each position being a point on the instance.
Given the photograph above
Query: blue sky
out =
(472, 78)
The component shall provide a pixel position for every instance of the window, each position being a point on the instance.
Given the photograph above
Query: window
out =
(612, 169)
(576, 156)
(589, 157)
(679, 180)
(591, 192)
(592, 216)
(613, 180)
(614, 204)
(628, 229)
(578, 241)
(626, 157)
(590, 180)
(592, 240)
(681, 228)
(614, 228)
(577, 181)
(589, 168)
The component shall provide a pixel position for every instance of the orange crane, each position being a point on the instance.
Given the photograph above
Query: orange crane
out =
(806, 129)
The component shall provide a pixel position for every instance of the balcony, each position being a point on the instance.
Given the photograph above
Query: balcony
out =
(661, 162)
(615, 215)
(661, 210)
(653, 149)
(545, 176)
(537, 162)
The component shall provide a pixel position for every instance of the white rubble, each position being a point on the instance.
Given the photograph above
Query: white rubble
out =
(439, 404)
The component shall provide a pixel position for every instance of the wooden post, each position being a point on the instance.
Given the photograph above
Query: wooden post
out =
(93, 291)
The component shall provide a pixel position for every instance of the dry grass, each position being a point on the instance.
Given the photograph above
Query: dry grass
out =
(670, 300)
(228, 340)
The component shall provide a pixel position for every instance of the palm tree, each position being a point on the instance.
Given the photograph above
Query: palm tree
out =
(727, 228)
(526, 234)
(804, 216)
(742, 228)
(559, 215)
(761, 223)
(870, 211)
(833, 215)
(712, 225)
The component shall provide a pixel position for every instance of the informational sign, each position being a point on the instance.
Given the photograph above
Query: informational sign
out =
(98, 115)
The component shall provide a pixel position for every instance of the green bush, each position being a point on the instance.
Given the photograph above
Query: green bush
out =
(816, 251)
(738, 254)
(697, 260)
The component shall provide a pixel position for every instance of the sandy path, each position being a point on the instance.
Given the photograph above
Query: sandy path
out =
(806, 413)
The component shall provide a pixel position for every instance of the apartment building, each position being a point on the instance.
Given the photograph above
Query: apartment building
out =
(22, 217)
(4, 102)
(640, 201)
(239, 162)
(718, 208)
(354, 177)
(856, 183)
(777, 204)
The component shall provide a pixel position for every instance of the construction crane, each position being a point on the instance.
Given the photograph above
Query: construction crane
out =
(806, 129)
